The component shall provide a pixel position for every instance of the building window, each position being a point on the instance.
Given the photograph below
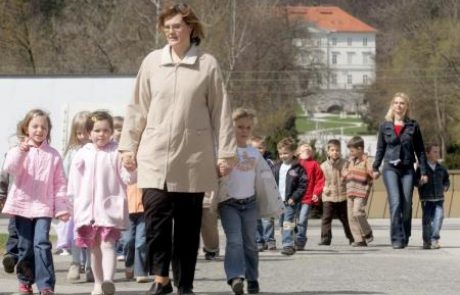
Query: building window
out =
(349, 41)
(350, 58)
(365, 58)
(364, 41)
(349, 79)
(365, 80)
(334, 79)
(334, 41)
(334, 58)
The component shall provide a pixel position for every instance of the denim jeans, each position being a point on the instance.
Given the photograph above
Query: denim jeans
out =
(239, 220)
(35, 263)
(135, 248)
(399, 183)
(433, 214)
(13, 239)
(266, 232)
(287, 224)
(302, 224)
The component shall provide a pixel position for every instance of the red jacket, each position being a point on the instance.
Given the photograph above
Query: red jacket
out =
(315, 180)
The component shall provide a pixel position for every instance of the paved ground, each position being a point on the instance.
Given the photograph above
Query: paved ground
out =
(333, 270)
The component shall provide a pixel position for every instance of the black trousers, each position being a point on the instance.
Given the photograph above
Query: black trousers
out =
(329, 208)
(172, 228)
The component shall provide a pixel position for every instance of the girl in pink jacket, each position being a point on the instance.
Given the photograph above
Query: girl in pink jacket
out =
(37, 195)
(97, 184)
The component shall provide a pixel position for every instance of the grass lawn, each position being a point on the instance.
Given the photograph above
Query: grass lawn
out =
(304, 124)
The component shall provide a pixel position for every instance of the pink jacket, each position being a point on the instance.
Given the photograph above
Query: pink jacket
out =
(39, 187)
(97, 185)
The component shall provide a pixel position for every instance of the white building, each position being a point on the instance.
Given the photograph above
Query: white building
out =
(341, 46)
(62, 97)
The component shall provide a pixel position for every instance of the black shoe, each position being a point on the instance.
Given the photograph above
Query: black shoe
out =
(324, 243)
(185, 291)
(210, 255)
(9, 263)
(369, 238)
(299, 247)
(288, 251)
(359, 244)
(398, 246)
(253, 287)
(237, 286)
(159, 289)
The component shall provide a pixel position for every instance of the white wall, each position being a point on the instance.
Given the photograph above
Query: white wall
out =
(62, 97)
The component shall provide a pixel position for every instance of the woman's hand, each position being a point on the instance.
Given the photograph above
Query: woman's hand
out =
(375, 175)
(128, 160)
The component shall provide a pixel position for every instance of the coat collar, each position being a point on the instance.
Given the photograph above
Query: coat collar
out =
(190, 57)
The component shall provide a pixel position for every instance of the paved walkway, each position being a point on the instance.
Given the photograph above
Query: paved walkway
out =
(333, 270)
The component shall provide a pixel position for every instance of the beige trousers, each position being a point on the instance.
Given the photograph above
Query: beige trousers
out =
(356, 209)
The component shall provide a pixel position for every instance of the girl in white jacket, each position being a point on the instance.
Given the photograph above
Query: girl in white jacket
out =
(97, 183)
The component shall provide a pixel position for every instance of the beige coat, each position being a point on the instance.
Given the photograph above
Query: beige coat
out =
(177, 115)
(334, 187)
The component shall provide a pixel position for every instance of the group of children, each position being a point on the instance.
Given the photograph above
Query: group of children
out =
(87, 192)
(106, 201)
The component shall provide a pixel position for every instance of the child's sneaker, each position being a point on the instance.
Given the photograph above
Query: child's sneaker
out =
(108, 288)
(74, 272)
(47, 291)
(129, 273)
(237, 286)
(210, 255)
(359, 244)
(271, 247)
(288, 251)
(25, 289)
(435, 244)
(89, 275)
(253, 287)
(369, 238)
(142, 279)
(426, 245)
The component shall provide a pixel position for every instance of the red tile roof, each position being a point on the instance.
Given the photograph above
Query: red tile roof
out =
(330, 18)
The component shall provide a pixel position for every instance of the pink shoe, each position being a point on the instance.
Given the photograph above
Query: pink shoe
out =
(25, 289)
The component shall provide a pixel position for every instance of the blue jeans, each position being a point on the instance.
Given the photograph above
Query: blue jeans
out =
(239, 220)
(433, 214)
(287, 224)
(135, 248)
(35, 263)
(302, 224)
(399, 183)
(13, 239)
(266, 232)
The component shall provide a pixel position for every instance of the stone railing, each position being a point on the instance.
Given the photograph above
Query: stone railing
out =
(378, 202)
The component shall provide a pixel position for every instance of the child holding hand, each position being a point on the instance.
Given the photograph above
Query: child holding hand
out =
(97, 183)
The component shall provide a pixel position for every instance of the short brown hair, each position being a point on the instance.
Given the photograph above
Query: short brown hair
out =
(118, 122)
(24, 123)
(188, 16)
(356, 142)
(287, 142)
(98, 116)
(333, 142)
(430, 146)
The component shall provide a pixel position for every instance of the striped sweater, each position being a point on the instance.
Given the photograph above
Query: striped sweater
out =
(358, 178)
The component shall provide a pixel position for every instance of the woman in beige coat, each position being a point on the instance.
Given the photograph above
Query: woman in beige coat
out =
(178, 114)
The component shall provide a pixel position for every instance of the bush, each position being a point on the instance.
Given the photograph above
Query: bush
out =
(452, 158)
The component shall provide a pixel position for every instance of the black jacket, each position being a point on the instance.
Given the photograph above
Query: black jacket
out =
(404, 147)
(296, 181)
(438, 180)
